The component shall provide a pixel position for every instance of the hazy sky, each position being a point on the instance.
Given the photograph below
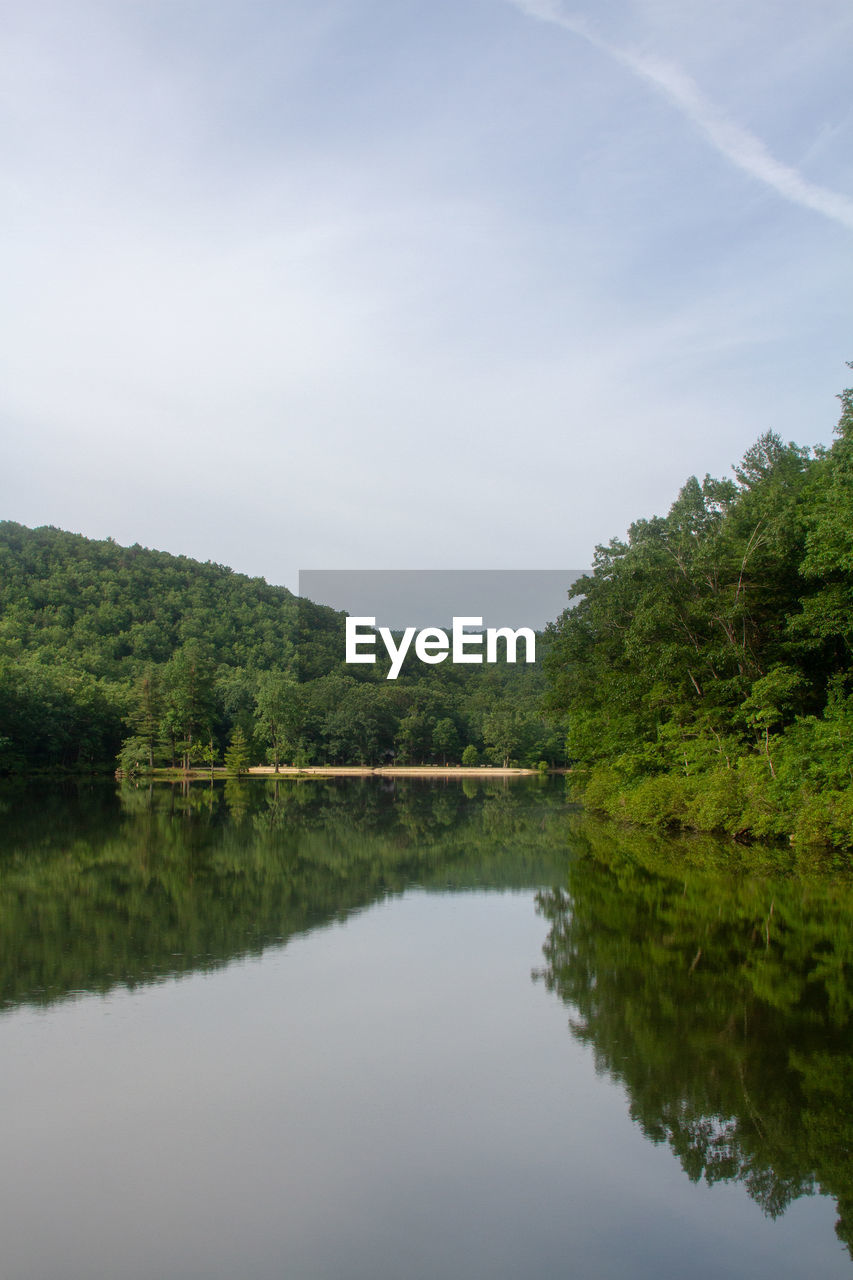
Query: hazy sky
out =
(413, 283)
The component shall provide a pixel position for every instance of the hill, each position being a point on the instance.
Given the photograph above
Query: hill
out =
(106, 648)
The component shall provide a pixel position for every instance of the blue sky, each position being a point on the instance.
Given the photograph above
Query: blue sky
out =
(417, 284)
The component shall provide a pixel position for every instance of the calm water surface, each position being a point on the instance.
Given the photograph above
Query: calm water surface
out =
(344, 1030)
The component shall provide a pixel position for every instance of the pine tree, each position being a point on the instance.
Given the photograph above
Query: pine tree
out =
(237, 753)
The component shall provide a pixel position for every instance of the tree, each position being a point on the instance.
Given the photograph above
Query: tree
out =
(279, 714)
(146, 715)
(510, 732)
(208, 755)
(189, 701)
(445, 739)
(237, 753)
(414, 737)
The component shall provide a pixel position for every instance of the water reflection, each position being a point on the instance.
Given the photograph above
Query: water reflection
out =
(710, 982)
(99, 889)
(723, 1004)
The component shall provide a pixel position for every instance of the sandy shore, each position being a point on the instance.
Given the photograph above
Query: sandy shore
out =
(390, 771)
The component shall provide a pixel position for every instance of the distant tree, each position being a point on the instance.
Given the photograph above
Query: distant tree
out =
(146, 715)
(360, 726)
(237, 753)
(503, 731)
(279, 714)
(208, 754)
(414, 737)
(190, 704)
(445, 739)
(133, 756)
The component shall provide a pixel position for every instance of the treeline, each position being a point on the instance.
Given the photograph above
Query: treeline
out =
(707, 663)
(109, 651)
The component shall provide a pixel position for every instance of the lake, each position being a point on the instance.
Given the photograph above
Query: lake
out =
(356, 1029)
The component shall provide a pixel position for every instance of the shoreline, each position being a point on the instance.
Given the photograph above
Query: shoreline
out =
(392, 771)
(164, 773)
(342, 771)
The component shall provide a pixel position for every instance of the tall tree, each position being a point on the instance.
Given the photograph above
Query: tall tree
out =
(145, 718)
(189, 703)
(279, 713)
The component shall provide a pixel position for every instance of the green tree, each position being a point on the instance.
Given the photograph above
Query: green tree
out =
(189, 702)
(145, 718)
(445, 739)
(414, 737)
(279, 714)
(237, 753)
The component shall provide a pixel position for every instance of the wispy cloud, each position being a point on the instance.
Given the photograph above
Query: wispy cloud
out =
(740, 147)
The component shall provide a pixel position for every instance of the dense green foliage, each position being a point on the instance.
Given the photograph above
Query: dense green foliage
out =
(707, 664)
(106, 648)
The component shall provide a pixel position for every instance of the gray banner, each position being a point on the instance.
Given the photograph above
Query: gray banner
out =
(399, 598)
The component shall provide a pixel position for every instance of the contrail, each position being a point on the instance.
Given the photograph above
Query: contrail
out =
(738, 145)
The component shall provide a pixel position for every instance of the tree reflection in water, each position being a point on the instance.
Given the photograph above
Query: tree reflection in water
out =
(722, 1003)
(709, 980)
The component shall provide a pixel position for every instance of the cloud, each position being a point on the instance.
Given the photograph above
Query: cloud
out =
(272, 295)
(740, 147)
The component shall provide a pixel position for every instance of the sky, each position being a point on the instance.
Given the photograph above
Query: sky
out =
(362, 284)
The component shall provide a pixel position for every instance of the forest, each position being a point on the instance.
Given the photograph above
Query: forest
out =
(700, 677)
(706, 665)
(112, 653)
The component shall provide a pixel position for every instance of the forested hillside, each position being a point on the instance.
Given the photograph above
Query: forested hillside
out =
(102, 645)
(707, 665)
